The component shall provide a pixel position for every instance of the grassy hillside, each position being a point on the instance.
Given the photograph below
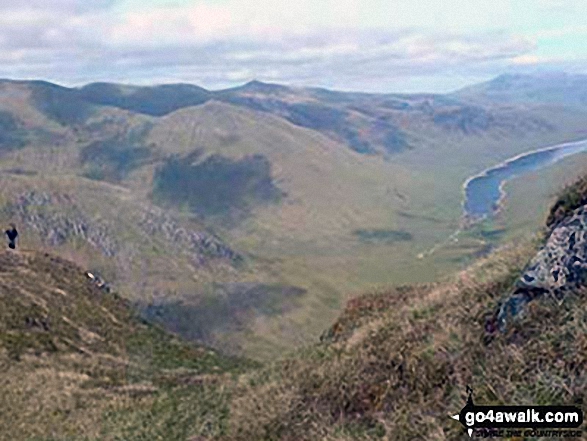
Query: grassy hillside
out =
(186, 199)
(151, 256)
(396, 363)
(71, 355)
(77, 364)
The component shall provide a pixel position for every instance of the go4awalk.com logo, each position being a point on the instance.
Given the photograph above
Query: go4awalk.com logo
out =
(527, 421)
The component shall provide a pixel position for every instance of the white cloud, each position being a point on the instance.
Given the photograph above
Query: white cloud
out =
(528, 59)
(347, 43)
(73, 6)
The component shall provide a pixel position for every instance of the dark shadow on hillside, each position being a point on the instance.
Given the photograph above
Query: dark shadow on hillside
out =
(114, 158)
(385, 132)
(383, 236)
(60, 104)
(467, 119)
(154, 101)
(232, 308)
(217, 186)
(12, 136)
(419, 216)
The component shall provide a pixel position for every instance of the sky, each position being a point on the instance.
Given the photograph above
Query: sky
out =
(362, 45)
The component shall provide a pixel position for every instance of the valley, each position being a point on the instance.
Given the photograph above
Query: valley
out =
(245, 218)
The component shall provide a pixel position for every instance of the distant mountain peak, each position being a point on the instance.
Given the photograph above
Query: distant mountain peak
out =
(538, 76)
(260, 86)
(553, 87)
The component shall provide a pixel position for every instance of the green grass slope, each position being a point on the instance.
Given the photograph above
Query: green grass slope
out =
(152, 257)
(186, 199)
(76, 364)
(71, 354)
(397, 362)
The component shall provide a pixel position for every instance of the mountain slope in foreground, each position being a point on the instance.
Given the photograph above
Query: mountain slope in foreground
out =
(395, 365)
(72, 354)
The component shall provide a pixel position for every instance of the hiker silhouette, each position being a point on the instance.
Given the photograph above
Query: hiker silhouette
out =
(12, 234)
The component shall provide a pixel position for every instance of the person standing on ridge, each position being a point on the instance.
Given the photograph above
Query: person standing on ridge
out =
(12, 234)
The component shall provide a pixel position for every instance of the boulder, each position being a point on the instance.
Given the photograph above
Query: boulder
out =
(558, 268)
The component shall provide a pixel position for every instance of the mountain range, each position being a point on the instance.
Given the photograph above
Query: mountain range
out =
(242, 218)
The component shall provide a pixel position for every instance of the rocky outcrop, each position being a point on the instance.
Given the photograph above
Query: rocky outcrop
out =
(57, 226)
(558, 268)
(57, 219)
(201, 245)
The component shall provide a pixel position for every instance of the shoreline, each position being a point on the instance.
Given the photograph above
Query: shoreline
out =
(502, 183)
(467, 221)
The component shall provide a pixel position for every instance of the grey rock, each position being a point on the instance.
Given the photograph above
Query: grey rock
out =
(558, 268)
(57, 226)
(201, 246)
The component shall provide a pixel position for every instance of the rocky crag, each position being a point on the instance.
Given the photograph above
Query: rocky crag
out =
(200, 244)
(559, 267)
(57, 219)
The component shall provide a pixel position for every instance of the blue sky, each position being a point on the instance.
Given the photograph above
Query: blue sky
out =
(369, 45)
